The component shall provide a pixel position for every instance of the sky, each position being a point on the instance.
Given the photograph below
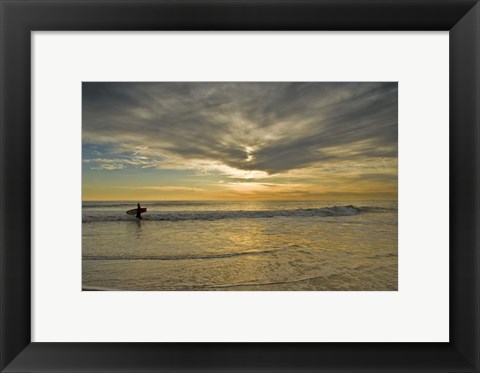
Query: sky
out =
(239, 141)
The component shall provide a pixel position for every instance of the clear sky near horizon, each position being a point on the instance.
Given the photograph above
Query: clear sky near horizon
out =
(239, 141)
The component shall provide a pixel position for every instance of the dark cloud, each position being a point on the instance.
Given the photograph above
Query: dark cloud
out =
(271, 127)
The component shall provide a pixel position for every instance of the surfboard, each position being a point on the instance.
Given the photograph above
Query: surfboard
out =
(134, 211)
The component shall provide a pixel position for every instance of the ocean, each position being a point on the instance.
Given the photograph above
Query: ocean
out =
(240, 245)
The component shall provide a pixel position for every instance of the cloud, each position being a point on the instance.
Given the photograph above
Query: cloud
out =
(248, 131)
(109, 167)
(166, 188)
(120, 163)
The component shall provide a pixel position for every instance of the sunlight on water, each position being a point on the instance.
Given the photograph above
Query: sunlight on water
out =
(283, 245)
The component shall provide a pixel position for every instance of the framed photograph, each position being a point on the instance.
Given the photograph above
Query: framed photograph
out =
(253, 186)
(237, 185)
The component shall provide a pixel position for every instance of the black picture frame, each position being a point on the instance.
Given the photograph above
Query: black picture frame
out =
(18, 18)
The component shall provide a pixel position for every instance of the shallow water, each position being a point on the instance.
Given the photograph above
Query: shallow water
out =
(274, 245)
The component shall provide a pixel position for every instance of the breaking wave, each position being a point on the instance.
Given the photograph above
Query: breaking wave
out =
(218, 215)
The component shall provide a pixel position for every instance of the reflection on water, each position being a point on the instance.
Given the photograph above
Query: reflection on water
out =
(354, 252)
(138, 231)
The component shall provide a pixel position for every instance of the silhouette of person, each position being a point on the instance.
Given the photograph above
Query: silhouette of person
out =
(139, 211)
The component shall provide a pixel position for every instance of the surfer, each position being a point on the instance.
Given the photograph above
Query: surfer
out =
(139, 211)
